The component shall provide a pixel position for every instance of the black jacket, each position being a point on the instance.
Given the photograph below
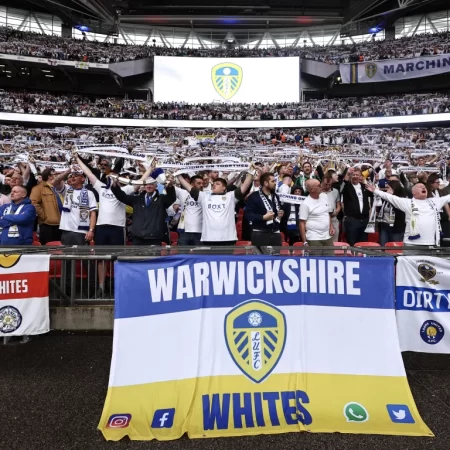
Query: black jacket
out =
(351, 202)
(255, 210)
(149, 222)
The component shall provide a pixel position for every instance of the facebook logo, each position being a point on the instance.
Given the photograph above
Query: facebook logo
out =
(163, 418)
(400, 414)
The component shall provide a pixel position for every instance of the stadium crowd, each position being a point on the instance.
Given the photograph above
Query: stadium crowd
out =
(75, 186)
(336, 108)
(54, 47)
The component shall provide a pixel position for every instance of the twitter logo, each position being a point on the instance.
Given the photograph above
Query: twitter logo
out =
(400, 414)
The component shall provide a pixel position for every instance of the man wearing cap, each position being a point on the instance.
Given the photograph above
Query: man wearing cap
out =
(78, 215)
(149, 211)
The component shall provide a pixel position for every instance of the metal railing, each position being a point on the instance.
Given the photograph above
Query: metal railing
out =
(75, 271)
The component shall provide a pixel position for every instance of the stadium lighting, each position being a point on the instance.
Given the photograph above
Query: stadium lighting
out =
(50, 76)
(46, 71)
(83, 28)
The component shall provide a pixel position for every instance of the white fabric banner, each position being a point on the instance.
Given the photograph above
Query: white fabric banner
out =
(394, 69)
(423, 304)
(24, 305)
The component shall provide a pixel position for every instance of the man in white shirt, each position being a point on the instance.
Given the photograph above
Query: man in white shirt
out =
(285, 187)
(190, 224)
(316, 229)
(218, 206)
(334, 201)
(425, 229)
(78, 215)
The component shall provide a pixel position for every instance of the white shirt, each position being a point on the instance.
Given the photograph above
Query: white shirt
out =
(316, 214)
(359, 194)
(333, 198)
(111, 210)
(427, 216)
(284, 189)
(193, 217)
(71, 220)
(218, 216)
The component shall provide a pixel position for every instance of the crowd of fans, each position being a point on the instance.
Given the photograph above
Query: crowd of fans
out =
(55, 47)
(336, 108)
(303, 187)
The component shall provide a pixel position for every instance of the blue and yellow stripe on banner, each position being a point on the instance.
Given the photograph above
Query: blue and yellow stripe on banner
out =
(354, 73)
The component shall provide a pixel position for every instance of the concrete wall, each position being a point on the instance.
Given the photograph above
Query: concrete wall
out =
(131, 68)
(317, 68)
(82, 318)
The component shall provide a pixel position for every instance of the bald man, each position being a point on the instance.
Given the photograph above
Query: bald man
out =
(17, 219)
(425, 211)
(316, 228)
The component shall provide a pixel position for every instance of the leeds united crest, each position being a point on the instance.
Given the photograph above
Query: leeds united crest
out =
(227, 79)
(255, 334)
(371, 70)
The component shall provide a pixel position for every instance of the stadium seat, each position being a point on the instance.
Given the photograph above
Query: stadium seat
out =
(395, 244)
(283, 237)
(298, 244)
(53, 244)
(373, 237)
(36, 244)
(367, 244)
(340, 252)
(173, 236)
(243, 243)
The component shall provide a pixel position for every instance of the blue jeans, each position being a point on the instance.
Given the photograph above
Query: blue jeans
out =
(388, 235)
(354, 230)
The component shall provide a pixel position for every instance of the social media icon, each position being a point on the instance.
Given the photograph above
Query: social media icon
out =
(400, 414)
(163, 418)
(119, 421)
(355, 412)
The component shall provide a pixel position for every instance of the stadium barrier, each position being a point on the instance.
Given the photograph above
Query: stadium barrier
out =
(146, 123)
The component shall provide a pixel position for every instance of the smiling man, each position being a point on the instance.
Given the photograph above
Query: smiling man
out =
(423, 224)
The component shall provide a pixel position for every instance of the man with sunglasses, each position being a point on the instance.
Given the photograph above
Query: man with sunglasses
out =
(78, 215)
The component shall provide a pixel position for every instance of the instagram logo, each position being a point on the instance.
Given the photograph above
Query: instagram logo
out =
(119, 421)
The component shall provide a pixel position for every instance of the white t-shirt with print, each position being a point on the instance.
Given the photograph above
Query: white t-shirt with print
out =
(316, 213)
(333, 197)
(70, 221)
(111, 211)
(218, 216)
(193, 217)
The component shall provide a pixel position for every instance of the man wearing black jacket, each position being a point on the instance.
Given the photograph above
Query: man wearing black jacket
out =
(355, 200)
(149, 211)
(264, 213)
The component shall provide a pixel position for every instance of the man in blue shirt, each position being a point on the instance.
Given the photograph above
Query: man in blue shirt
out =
(17, 219)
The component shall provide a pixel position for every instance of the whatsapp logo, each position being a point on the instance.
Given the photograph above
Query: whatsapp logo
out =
(355, 412)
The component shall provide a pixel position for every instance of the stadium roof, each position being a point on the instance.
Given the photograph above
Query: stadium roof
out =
(104, 16)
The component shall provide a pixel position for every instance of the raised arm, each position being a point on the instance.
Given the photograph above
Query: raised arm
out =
(87, 171)
(184, 183)
(403, 204)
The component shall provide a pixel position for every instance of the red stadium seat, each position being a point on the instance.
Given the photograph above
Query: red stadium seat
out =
(53, 244)
(285, 244)
(340, 252)
(173, 236)
(36, 243)
(285, 252)
(367, 244)
(298, 244)
(283, 237)
(395, 244)
(243, 243)
(373, 237)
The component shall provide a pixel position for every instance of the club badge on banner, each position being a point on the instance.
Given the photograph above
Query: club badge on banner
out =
(217, 346)
(24, 305)
(394, 69)
(423, 304)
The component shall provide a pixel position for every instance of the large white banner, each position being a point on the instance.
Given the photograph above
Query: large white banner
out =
(394, 69)
(423, 304)
(237, 80)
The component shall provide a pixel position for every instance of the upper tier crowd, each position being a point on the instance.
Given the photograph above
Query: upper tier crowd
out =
(54, 47)
(337, 108)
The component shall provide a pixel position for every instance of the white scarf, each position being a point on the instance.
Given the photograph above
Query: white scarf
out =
(13, 231)
(269, 207)
(292, 199)
(292, 220)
